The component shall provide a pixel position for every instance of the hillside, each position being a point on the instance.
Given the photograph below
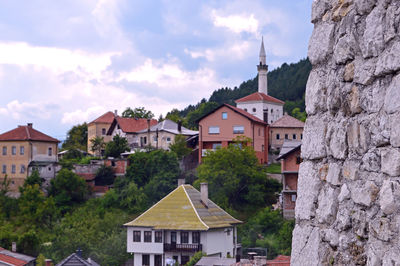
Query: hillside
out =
(287, 83)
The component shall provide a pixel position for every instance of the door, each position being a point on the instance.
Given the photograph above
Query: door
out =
(173, 240)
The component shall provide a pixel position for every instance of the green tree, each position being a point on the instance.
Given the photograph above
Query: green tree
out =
(104, 176)
(77, 138)
(68, 189)
(296, 113)
(117, 146)
(33, 179)
(196, 257)
(236, 179)
(138, 112)
(98, 144)
(179, 147)
(156, 172)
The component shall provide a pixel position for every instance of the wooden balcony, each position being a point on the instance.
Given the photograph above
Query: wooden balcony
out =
(182, 247)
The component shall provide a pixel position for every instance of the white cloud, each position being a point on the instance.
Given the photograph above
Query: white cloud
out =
(232, 52)
(237, 23)
(25, 110)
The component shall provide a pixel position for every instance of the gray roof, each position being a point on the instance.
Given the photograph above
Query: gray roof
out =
(17, 255)
(75, 260)
(211, 261)
(171, 127)
(288, 146)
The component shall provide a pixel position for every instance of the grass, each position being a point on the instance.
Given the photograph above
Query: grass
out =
(274, 168)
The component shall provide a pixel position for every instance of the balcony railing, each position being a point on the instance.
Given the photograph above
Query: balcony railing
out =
(182, 247)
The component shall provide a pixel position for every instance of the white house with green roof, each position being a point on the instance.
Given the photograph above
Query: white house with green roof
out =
(181, 224)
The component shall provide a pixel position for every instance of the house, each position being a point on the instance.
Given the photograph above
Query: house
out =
(285, 128)
(99, 128)
(24, 149)
(164, 133)
(129, 128)
(75, 259)
(16, 259)
(222, 125)
(179, 225)
(290, 163)
(260, 104)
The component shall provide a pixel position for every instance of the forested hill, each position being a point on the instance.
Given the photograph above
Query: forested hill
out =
(287, 83)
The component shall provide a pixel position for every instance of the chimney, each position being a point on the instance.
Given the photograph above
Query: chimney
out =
(89, 260)
(48, 262)
(148, 124)
(79, 252)
(14, 246)
(30, 125)
(179, 126)
(181, 181)
(204, 193)
(286, 113)
(116, 112)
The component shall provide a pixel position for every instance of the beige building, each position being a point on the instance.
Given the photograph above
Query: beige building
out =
(285, 128)
(163, 134)
(99, 128)
(24, 149)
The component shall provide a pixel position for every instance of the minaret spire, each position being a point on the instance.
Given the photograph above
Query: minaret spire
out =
(262, 70)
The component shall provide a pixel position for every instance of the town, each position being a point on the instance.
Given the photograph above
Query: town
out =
(135, 161)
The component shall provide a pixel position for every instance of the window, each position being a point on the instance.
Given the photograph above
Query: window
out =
(245, 109)
(238, 129)
(173, 237)
(278, 136)
(184, 237)
(301, 136)
(216, 145)
(294, 136)
(158, 237)
(50, 151)
(22, 150)
(4, 170)
(286, 136)
(145, 259)
(213, 130)
(136, 236)
(294, 198)
(147, 236)
(272, 111)
(157, 260)
(22, 169)
(298, 160)
(103, 131)
(13, 150)
(254, 109)
(4, 150)
(262, 147)
(224, 115)
(13, 169)
(168, 139)
(155, 138)
(196, 237)
(184, 260)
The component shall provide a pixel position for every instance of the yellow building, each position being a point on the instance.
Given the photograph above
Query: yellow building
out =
(99, 128)
(285, 128)
(23, 149)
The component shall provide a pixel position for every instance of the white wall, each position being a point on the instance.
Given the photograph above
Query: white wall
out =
(143, 247)
(260, 106)
(218, 240)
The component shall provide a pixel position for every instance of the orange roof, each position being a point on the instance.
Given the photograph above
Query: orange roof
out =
(288, 121)
(131, 125)
(281, 260)
(11, 260)
(105, 118)
(259, 96)
(26, 133)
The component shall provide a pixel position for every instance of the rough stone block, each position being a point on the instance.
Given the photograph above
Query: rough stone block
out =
(334, 174)
(349, 72)
(344, 193)
(321, 43)
(314, 135)
(395, 130)
(364, 6)
(389, 60)
(389, 197)
(308, 181)
(364, 193)
(354, 101)
(351, 169)
(337, 140)
(327, 205)
(331, 236)
(372, 43)
(364, 70)
(371, 161)
(319, 8)
(358, 138)
(343, 50)
(390, 161)
(392, 98)
(381, 229)
(305, 246)
(315, 92)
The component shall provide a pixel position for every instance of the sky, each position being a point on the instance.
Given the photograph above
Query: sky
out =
(63, 63)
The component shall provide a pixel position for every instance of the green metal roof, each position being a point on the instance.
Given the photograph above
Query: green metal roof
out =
(182, 209)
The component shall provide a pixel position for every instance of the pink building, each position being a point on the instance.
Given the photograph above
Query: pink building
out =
(290, 163)
(219, 127)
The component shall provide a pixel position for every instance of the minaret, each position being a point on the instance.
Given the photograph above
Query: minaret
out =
(262, 71)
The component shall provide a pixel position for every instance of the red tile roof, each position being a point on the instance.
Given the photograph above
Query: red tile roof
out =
(259, 96)
(131, 125)
(105, 118)
(288, 121)
(11, 260)
(26, 133)
(281, 260)
(244, 113)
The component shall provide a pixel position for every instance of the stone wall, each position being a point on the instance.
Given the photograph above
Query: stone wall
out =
(347, 211)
